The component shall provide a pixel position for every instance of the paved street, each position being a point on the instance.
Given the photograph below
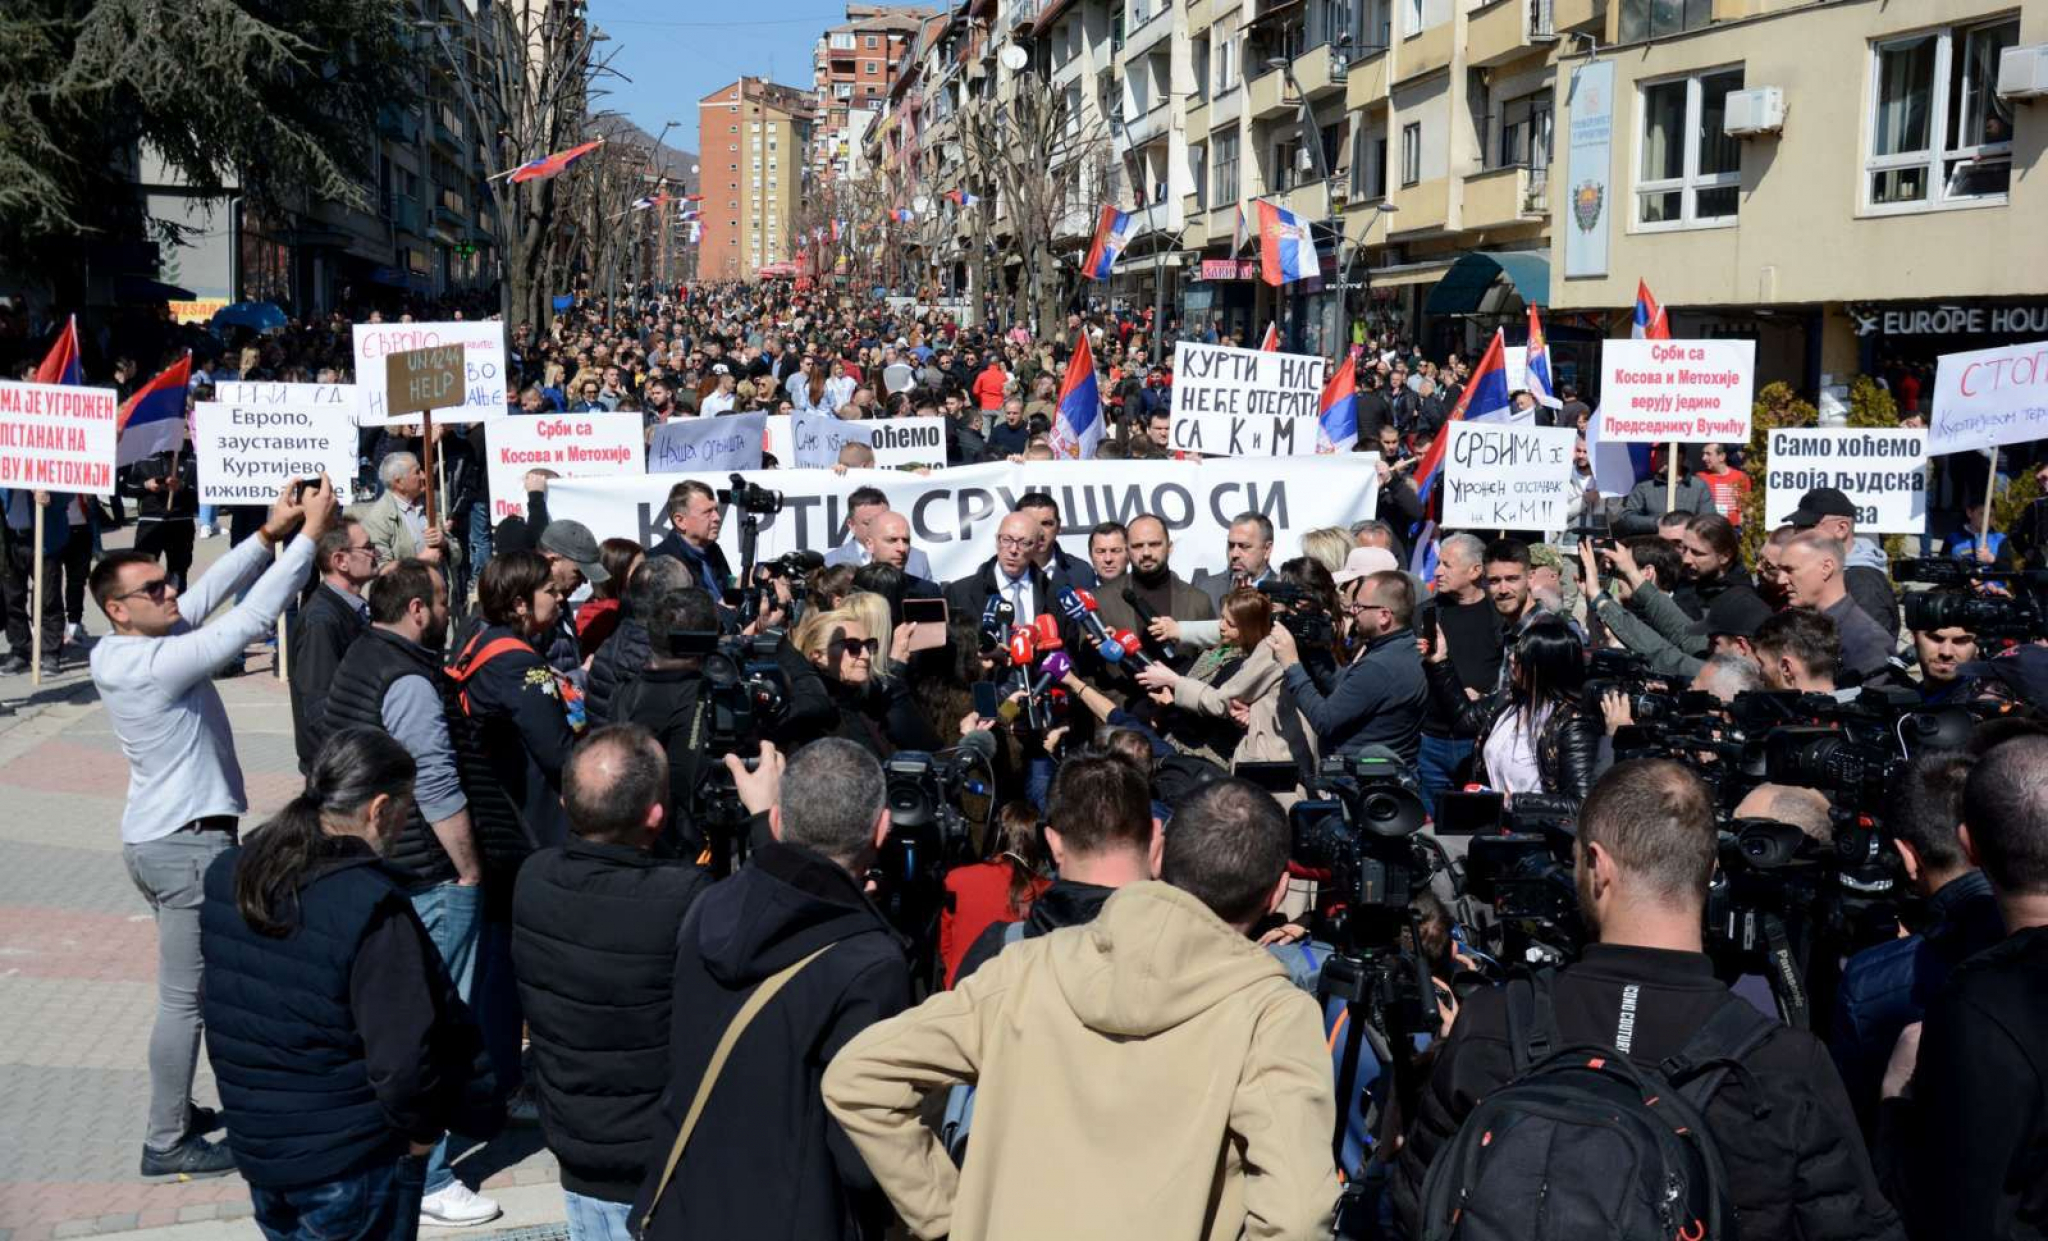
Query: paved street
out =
(78, 968)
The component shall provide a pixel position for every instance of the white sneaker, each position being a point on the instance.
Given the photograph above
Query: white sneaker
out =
(458, 1206)
(205, 530)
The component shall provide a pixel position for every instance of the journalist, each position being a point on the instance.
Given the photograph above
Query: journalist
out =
(519, 704)
(1644, 854)
(879, 714)
(623, 656)
(1245, 688)
(1538, 745)
(1380, 696)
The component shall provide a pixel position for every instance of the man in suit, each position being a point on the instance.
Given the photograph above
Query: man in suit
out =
(1249, 549)
(862, 508)
(1059, 567)
(1009, 573)
(398, 523)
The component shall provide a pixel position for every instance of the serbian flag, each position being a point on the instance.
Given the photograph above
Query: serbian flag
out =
(1337, 411)
(61, 364)
(1538, 364)
(961, 198)
(1112, 233)
(153, 419)
(1287, 250)
(1650, 323)
(1485, 397)
(1272, 342)
(838, 230)
(1238, 232)
(1077, 422)
(550, 166)
(901, 215)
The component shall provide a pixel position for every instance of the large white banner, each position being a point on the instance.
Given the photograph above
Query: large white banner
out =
(707, 445)
(247, 453)
(295, 396)
(954, 513)
(589, 445)
(1506, 477)
(1883, 472)
(483, 357)
(1989, 397)
(1244, 402)
(1691, 391)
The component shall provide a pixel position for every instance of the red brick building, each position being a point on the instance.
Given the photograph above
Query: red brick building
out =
(853, 66)
(753, 146)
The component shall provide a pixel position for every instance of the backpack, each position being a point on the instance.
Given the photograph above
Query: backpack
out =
(1584, 1143)
(959, 1117)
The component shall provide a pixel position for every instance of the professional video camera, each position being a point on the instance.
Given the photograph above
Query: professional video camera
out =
(1299, 611)
(929, 834)
(2021, 613)
(751, 498)
(745, 696)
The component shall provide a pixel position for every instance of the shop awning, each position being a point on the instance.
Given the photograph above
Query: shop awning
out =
(1466, 283)
(1406, 274)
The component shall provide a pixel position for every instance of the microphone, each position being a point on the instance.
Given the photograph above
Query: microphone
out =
(1022, 647)
(1133, 648)
(1055, 668)
(1146, 615)
(1079, 607)
(994, 624)
(1045, 628)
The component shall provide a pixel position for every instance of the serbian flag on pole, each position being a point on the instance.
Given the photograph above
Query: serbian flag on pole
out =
(1238, 232)
(1538, 364)
(1077, 422)
(961, 198)
(1271, 344)
(1485, 397)
(1337, 411)
(550, 166)
(153, 419)
(1650, 323)
(61, 364)
(1287, 250)
(902, 215)
(1112, 233)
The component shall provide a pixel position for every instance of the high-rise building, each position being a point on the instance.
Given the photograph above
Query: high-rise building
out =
(753, 143)
(852, 68)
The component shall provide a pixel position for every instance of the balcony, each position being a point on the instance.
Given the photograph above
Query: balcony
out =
(1507, 30)
(447, 130)
(1267, 97)
(1502, 197)
(1155, 123)
(1321, 72)
(398, 124)
(1365, 81)
(1144, 30)
(404, 213)
(1424, 207)
(1422, 53)
(1572, 14)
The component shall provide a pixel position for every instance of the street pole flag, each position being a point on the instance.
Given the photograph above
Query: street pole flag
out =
(1537, 363)
(1238, 232)
(550, 166)
(1077, 421)
(961, 198)
(1337, 410)
(1272, 342)
(61, 364)
(1112, 233)
(1287, 249)
(153, 420)
(1650, 323)
(1485, 398)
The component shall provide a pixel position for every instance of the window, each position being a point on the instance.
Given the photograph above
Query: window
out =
(1226, 57)
(1375, 29)
(1411, 17)
(1198, 52)
(873, 41)
(1223, 158)
(843, 42)
(1657, 19)
(1411, 153)
(1525, 132)
(1198, 175)
(871, 68)
(843, 90)
(1938, 131)
(1690, 172)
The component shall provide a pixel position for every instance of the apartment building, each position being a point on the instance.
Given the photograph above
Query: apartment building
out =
(852, 68)
(753, 144)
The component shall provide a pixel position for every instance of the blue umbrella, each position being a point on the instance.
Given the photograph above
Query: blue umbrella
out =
(256, 316)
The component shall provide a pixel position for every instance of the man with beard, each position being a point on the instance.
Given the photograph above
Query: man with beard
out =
(1151, 588)
(1248, 551)
(1942, 653)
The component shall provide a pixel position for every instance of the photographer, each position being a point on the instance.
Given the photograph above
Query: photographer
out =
(623, 656)
(1637, 606)
(1538, 745)
(1379, 697)
(1644, 854)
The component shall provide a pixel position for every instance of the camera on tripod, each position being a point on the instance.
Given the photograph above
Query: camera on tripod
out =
(1955, 603)
(751, 498)
(745, 696)
(928, 835)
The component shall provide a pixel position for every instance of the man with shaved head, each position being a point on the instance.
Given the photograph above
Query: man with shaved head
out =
(1009, 574)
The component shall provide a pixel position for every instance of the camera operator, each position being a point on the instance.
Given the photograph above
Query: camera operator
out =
(1942, 653)
(1645, 851)
(1380, 696)
(1637, 605)
(623, 655)
(1975, 1154)
(1798, 650)
(1538, 745)
(1886, 988)
(1726, 675)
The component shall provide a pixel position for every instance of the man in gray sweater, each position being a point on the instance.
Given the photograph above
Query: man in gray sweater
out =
(154, 673)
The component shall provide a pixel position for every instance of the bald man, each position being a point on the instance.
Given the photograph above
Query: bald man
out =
(1009, 573)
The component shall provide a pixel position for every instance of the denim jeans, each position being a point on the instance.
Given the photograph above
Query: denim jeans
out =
(1436, 765)
(594, 1219)
(379, 1202)
(451, 914)
(170, 872)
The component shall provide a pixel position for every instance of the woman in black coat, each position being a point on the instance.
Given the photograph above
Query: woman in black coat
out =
(1537, 744)
(876, 713)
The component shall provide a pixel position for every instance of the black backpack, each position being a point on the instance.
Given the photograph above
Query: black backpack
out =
(1583, 1143)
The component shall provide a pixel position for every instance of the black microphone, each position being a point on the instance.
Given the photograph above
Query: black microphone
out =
(1145, 618)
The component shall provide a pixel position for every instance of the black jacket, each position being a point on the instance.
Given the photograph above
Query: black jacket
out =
(321, 634)
(1872, 591)
(619, 659)
(594, 946)
(1473, 632)
(1567, 746)
(708, 567)
(1799, 1171)
(766, 1161)
(1976, 1159)
(1064, 904)
(515, 700)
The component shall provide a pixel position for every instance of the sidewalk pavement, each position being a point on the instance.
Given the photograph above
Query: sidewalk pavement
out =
(78, 969)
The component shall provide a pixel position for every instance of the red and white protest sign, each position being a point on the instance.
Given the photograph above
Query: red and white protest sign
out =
(57, 437)
(1690, 391)
(590, 445)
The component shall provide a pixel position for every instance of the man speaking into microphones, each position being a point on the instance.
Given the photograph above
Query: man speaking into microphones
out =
(1149, 589)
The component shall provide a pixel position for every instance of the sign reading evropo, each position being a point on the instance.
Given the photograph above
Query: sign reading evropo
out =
(248, 452)
(1244, 402)
(483, 361)
(572, 445)
(1989, 397)
(1883, 472)
(1691, 391)
(1506, 477)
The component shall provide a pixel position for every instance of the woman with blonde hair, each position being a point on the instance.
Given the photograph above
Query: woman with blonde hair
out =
(876, 714)
(1329, 546)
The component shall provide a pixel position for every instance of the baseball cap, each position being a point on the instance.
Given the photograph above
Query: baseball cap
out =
(572, 541)
(1364, 562)
(1818, 503)
(1737, 613)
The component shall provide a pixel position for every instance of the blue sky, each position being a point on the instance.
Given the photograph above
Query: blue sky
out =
(678, 51)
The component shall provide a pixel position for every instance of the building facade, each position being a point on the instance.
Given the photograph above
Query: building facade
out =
(852, 68)
(753, 144)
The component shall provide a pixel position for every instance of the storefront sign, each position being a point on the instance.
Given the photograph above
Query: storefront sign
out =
(248, 452)
(1989, 397)
(1230, 269)
(1244, 402)
(1690, 391)
(1588, 200)
(1952, 321)
(1503, 477)
(1883, 472)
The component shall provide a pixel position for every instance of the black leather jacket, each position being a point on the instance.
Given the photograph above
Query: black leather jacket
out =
(1567, 748)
